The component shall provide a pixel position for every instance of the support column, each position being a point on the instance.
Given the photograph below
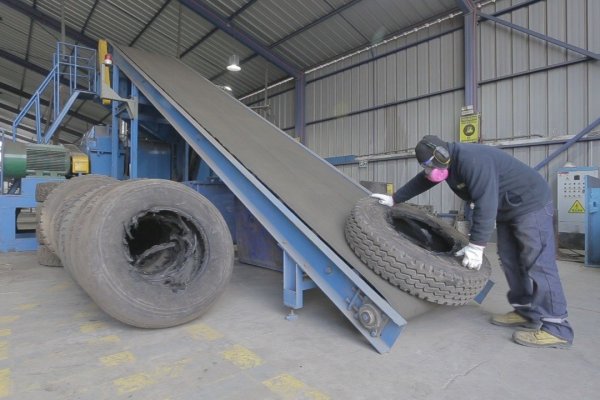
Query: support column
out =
(134, 124)
(300, 107)
(114, 136)
(470, 33)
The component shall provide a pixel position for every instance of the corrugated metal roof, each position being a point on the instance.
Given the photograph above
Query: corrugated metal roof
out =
(303, 33)
(271, 20)
(76, 12)
(14, 31)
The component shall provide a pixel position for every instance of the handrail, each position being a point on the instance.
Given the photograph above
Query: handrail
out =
(74, 64)
(34, 100)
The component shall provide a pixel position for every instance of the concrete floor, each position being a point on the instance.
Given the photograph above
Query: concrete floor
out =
(56, 344)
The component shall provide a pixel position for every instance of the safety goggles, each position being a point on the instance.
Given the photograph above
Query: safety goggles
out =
(429, 164)
(435, 162)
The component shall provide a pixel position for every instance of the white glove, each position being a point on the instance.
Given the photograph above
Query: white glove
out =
(384, 199)
(472, 256)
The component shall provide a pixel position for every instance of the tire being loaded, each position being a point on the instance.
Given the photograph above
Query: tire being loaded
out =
(151, 253)
(414, 251)
(50, 208)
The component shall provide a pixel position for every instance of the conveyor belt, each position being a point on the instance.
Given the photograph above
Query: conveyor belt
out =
(315, 191)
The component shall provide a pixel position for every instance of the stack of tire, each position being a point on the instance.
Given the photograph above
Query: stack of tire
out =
(151, 253)
(45, 256)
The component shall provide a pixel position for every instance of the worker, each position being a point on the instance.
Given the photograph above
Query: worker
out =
(509, 193)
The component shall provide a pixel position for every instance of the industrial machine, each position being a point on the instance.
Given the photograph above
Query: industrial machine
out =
(20, 160)
(592, 221)
(571, 192)
(154, 158)
(22, 167)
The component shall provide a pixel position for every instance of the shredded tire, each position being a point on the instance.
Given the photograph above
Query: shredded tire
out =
(414, 251)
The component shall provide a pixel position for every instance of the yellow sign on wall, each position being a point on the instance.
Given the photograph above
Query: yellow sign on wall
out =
(577, 208)
(469, 128)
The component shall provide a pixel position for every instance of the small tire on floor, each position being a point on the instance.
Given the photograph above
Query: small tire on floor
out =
(414, 251)
(150, 253)
(42, 190)
(46, 257)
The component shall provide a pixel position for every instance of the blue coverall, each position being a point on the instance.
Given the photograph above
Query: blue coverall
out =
(511, 194)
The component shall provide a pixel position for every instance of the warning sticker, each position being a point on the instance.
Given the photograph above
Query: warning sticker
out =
(577, 208)
(469, 128)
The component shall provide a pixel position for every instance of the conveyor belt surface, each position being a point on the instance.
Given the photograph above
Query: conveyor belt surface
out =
(314, 190)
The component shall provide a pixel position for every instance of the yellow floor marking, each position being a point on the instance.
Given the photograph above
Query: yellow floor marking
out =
(203, 331)
(25, 307)
(86, 314)
(242, 357)
(105, 339)
(5, 332)
(91, 327)
(60, 286)
(3, 350)
(5, 382)
(124, 357)
(316, 395)
(135, 382)
(288, 387)
(7, 319)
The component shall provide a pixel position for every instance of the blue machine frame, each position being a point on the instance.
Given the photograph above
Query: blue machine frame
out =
(10, 204)
(592, 221)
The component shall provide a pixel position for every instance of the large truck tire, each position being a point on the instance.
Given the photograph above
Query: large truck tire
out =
(69, 189)
(414, 251)
(151, 253)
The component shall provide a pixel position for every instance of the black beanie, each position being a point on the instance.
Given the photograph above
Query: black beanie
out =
(425, 148)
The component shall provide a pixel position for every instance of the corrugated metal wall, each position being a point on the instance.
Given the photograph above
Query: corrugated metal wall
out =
(382, 101)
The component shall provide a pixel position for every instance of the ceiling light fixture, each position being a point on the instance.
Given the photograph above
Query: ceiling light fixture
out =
(234, 63)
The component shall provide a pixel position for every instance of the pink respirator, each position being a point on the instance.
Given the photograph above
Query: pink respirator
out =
(436, 175)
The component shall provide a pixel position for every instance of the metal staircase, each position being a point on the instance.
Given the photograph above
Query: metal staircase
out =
(74, 68)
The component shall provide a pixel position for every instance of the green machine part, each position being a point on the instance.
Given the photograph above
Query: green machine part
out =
(20, 160)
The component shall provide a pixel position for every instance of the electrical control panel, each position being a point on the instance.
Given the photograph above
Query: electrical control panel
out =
(571, 205)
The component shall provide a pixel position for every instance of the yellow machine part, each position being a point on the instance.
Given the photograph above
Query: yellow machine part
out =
(80, 162)
(102, 51)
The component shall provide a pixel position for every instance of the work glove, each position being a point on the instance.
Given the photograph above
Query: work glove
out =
(472, 256)
(384, 199)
